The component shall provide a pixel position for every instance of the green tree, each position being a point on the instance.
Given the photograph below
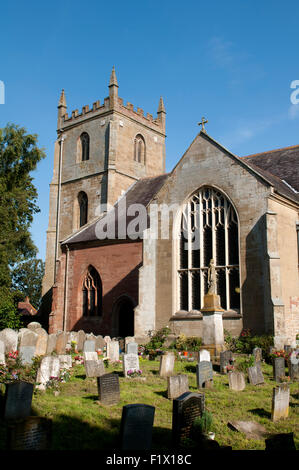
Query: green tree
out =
(9, 317)
(19, 156)
(27, 280)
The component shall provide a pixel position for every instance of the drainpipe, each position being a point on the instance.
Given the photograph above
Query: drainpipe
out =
(62, 139)
(65, 304)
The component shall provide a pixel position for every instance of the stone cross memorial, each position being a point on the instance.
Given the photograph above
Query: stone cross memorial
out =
(185, 409)
(204, 374)
(33, 433)
(280, 402)
(177, 385)
(130, 362)
(17, 400)
(166, 364)
(108, 388)
(136, 427)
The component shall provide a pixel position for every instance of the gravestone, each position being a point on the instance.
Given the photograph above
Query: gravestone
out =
(236, 381)
(132, 348)
(73, 340)
(280, 402)
(166, 364)
(49, 367)
(226, 358)
(280, 442)
(51, 346)
(204, 374)
(129, 339)
(2, 352)
(27, 338)
(185, 409)
(94, 367)
(61, 342)
(100, 343)
(130, 362)
(255, 375)
(108, 388)
(278, 368)
(177, 385)
(81, 339)
(136, 427)
(34, 325)
(33, 433)
(204, 355)
(293, 366)
(258, 355)
(89, 345)
(65, 361)
(26, 354)
(251, 429)
(17, 400)
(90, 356)
(10, 339)
(287, 348)
(42, 342)
(113, 351)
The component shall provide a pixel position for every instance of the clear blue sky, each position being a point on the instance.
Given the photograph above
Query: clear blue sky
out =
(232, 62)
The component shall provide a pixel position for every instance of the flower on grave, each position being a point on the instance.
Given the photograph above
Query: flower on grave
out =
(280, 353)
(245, 332)
(134, 373)
(99, 352)
(230, 368)
(13, 354)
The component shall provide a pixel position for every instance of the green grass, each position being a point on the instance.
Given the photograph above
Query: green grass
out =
(80, 422)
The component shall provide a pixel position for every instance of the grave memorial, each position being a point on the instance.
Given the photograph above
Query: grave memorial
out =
(255, 375)
(280, 402)
(108, 389)
(130, 362)
(185, 409)
(226, 359)
(236, 381)
(177, 385)
(17, 400)
(136, 427)
(278, 368)
(204, 374)
(166, 364)
(33, 433)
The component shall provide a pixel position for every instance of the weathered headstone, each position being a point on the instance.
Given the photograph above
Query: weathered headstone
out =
(166, 364)
(2, 352)
(81, 339)
(280, 402)
(65, 361)
(130, 362)
(255, 375)
(132, 348)
(61, 342)
(26, 354)
(278, 368)
(90, 356)
(51, 346)
(100, 343)
(185, 409)
(33, 433)
(136, 427)
(27, 338)
(177, 385)
(17, 400)
(108, 388)
(129, 339)
(226, 358)
(73, 339)
(49, 367)
(251, 429)
(10, 339)
(204, 355)
(258, 355)
(89, 345)
(34, 325)
(94, 367)
(113, 351)
(293, 366)
(236, 381)
(42, 342)
(204, 374)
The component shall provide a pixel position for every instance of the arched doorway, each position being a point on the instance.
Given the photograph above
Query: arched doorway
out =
(124, 318)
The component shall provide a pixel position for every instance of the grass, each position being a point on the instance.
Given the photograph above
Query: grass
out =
(80, 422)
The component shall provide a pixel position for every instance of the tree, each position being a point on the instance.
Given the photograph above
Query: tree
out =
(27, 280)
(19, 156)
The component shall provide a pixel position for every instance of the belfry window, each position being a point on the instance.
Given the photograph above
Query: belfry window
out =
(139, 149)
(209, 230)
(92, 293)
(84, 138)
(83, 208)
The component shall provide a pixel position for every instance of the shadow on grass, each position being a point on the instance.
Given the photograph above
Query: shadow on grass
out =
(162, 393)
(261, 412)
(91, 397)
(82, 376)
(190, 368)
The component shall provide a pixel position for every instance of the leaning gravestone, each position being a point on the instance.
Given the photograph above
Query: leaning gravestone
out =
(33, 433)
(177, 385)
(89, 345)
(293, 366)
(49, 367)
(130, 362)
(280, 402)
(26, 354)
(204, 374)
(51, 346)
(42, 342)
(166, 364)
(185, 409)
(108, 388)
(136, 427)
(236, 381)
(226, 358)
(17, 400)
(255, 375)
(204, 355)
(10, 339)
(132, 348)
(94, 367)
(278, 368)
(2, 352)
(258, 355)
(61, 342)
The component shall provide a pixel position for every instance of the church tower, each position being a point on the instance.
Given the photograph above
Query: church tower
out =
(99, 153)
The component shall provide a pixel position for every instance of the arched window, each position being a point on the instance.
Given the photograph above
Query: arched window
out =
(92, 293)
(83, 208)
(84, 138)
(209, 230)
(139, 149)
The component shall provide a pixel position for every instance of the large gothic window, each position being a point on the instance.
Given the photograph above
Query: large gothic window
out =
(139, 149)
(209, 230)
(83, 208)
(92, 293)
(84, 138)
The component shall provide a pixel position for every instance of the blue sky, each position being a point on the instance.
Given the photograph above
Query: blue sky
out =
(232, 62)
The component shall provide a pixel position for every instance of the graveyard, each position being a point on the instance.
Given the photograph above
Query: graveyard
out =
(85, 395)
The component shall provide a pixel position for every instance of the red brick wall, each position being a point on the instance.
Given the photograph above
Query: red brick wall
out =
(118, 266)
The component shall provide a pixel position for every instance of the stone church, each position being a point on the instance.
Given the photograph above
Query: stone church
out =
(151, 268)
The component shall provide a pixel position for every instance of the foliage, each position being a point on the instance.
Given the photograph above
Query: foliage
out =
(27, 279)
(246, 342)
(9, 317)
(14, 370)
(157, 339)
(280, 353)
(243, 365)
(19, 156)
(187, 343)
(202, 424)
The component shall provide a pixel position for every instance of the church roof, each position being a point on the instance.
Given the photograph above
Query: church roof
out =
(141, 192)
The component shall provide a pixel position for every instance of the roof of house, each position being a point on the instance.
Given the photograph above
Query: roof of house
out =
(25, 308)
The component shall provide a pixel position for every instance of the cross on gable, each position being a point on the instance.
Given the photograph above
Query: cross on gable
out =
(202, 123)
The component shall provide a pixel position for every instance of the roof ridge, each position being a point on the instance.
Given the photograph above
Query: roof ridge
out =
(271, 151)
